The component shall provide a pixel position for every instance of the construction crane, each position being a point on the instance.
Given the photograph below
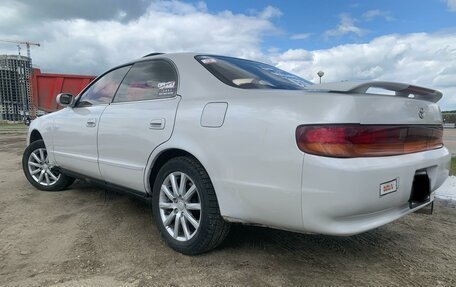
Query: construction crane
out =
(26, 43)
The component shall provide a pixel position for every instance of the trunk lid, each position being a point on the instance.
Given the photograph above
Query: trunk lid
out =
(348, 102)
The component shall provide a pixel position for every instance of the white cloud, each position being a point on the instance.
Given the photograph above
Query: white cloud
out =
(346, 26)
(301, 36)
(372, 14)
(91, 46)
(10, 14)
(423, 59)
(270, 12)
(294, 55)
(451, 5)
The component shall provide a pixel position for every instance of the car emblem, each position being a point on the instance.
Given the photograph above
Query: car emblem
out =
(421, 113)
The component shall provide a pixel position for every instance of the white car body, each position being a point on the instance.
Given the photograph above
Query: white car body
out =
(245, 140)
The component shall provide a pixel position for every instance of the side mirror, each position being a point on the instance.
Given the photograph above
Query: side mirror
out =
(65, 99)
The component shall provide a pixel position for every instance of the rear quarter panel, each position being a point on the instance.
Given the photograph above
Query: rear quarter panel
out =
(252, 158)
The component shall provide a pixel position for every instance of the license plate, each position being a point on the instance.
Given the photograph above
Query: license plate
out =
(388, 187)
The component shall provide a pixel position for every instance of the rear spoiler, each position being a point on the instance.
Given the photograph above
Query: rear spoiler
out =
(400, 89)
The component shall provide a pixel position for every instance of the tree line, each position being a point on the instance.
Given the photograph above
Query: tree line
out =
(449, 116)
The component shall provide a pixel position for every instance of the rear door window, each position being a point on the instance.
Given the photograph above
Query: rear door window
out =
(149, 80)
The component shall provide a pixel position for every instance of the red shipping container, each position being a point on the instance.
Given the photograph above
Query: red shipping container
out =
(45, 88)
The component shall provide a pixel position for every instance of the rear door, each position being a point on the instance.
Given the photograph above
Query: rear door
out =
(75, 129)
(140, 118)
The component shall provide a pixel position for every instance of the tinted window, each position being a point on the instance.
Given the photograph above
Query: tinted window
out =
(148, 81)
(247, 74)
(102, 91)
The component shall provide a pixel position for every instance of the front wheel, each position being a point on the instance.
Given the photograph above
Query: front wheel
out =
(185, 207)
(39, 172)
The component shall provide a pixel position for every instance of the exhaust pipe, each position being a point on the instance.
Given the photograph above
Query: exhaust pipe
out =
(428, 209)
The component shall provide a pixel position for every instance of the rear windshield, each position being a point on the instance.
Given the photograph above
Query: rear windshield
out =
(247, 74)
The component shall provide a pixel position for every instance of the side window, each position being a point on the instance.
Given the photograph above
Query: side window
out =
(102, 91)
(147, 81)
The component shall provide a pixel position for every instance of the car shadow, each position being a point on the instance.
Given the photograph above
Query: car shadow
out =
(285, 244)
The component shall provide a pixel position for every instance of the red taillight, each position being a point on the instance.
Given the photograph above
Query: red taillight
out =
(356, 140)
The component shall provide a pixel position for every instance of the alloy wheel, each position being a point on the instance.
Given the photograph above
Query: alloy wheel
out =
(180, 206)
(40, 169)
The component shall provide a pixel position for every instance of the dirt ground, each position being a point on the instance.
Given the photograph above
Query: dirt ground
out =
(86, 237)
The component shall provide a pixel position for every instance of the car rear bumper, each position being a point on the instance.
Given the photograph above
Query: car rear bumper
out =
(342, 196)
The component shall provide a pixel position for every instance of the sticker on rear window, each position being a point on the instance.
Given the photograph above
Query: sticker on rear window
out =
(166, 85)
(388, 187)
(166, 88)
(208, 61)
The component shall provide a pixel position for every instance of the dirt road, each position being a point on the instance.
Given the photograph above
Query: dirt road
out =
(85, 237)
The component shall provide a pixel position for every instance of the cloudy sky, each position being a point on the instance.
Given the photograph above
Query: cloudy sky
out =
(407, 41)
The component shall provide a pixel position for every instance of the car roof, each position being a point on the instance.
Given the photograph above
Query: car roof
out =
(169, 55)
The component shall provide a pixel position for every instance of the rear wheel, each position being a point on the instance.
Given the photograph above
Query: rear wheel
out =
(185, 207)
(39, 172)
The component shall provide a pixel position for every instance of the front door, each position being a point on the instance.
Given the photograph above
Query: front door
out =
(76, 128)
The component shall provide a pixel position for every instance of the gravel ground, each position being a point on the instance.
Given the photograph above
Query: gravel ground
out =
(87, 237)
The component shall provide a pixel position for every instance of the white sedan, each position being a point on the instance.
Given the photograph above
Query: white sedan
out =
(212, 140)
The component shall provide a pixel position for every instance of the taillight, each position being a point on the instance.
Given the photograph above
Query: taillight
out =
(356, 140)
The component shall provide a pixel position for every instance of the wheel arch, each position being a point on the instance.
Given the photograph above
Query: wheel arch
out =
(163, 157)
(35, 135)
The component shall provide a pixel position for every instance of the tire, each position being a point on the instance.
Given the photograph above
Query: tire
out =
(197, 191)
(38, 171)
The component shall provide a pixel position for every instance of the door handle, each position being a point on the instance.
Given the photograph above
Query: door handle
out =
(91, 123)
(157, 124)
